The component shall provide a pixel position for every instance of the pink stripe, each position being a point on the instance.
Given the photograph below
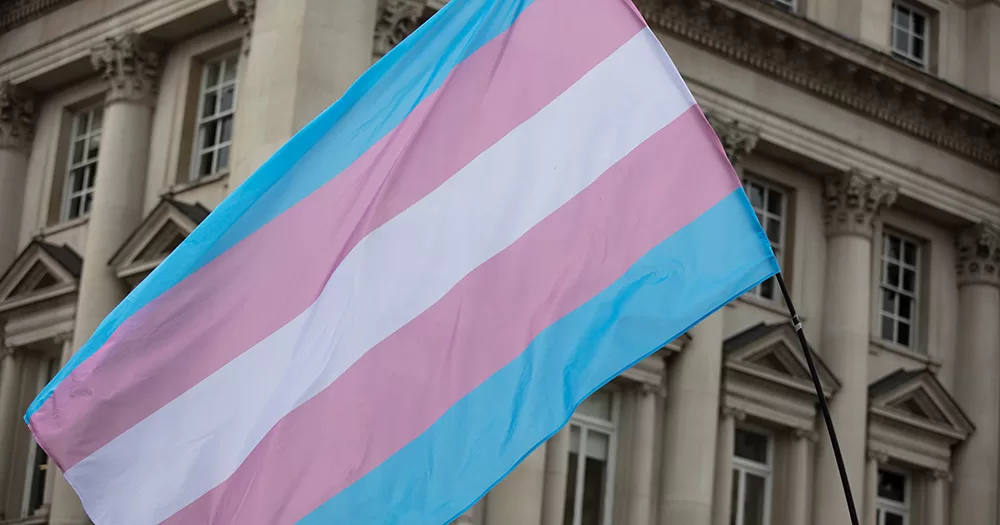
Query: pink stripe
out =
(481, 325)
(266, 280)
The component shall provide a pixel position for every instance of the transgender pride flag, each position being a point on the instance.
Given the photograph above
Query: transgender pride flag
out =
(517, 203)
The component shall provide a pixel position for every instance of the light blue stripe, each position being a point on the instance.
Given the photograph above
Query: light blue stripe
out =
(437, 476)
(372, 107)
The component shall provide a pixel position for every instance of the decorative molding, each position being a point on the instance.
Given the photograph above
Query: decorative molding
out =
(130, 65)
(6, 351)
(854, 201)
(878, 456)
(245, 10)
(942, 475)
(735, 413)
(861, 84)
(738, 139)
(979, 255)
(396, 20)
(17, 117)
(14, 13)
(806, 434)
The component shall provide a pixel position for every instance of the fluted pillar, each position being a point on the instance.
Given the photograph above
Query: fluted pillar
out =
(853, 202)
(303, 56)
(690, 427)
(17, 120)
(936, 490)
(517, 499)
(556, 472)
(874, 459)
(977, 369)
(798, 481)
(10, 385)
(130, 68)
(643, 451)
(723, 509)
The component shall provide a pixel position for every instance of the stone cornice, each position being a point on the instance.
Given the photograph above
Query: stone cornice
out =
(14, 13)
(17, 117)
(979, 255)
(854, 201)
(840, 70)
(129, 66)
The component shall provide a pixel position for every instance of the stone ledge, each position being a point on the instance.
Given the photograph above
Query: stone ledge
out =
(19, 12)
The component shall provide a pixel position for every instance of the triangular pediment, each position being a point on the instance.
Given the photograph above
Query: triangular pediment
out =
(916, 397)
(40, 272)
(159, 234)
(772, 352)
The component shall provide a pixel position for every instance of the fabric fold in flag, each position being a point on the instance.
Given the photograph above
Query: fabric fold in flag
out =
(512, 207)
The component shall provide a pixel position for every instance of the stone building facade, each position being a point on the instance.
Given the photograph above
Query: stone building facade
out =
(868, 136)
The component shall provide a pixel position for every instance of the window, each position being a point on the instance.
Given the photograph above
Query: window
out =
(591, 461)
(38, 462)
(910, 34)
(216, 106)
(900, 256)
(892, 507)
(770, 204)
(85, 143)
(751, 497)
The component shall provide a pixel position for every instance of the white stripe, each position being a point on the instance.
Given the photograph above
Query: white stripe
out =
(198, 440)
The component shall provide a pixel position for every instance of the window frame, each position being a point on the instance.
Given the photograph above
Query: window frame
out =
(914, 321)
(68, 194)
(914, 10)
(790, 6)
(47, 370)
(783, 217)
(588, 423)
(744, 466)
(883, 505)
(203, 90)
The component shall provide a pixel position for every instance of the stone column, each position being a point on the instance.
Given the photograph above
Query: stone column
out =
(17, 120)
(977, 367)
(936, 488)
(556, 470)
(10, 386)
(304, 56)
(643, 451)
(691, 424)
(131, 68)
(853, 202)
(798, 482)
(517, 499)
(870, 488)
(722, 512)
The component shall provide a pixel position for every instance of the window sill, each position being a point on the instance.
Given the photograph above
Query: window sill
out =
(182, 187)
(878, 345)
(62, 226)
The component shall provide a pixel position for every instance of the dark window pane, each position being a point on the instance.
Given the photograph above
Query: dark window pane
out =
(750, 445)
(893, 247)
(208, 109)
(97, 121)
(891, 518)
(774, 230)
(93, 147)
(76, 179)
(736, 497)
(88, 200)
(91, 175)
(905, 307)
(78, 148)
(81, 125)
(892, 275)
(910, 253)
(756, 196)
(767, 289)
(227, 129)
(212, 74)
(887, 328)
(74, 207)
(223, 162)
(208, 132)
(889, 301)
(891, 486)
(919, 22)
(594, 477)
(917, 48)
(909, 280)
(900, 17)
(904, 334)
(205, 167)
(754, 499)
(570, 487)
(774, 202)
(226, 102)
(230, 67)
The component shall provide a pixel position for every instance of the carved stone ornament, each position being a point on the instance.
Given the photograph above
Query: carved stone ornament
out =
(737, 139)
(878, 456)
(396, 20)
(17, 117)
(854, 201)
(245, 11)
(735, 413)
(130, 67)
(979, 255)
(813, 68)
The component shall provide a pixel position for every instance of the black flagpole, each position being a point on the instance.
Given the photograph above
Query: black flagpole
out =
(822, 400)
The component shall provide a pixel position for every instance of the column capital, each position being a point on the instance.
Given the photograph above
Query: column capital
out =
(941, 475)
(396, 20)
(878, 456)
(130, 65)
(854, 201)
(738, 139)
(17, 117)
(6, 351)
(734, 413)
(805, 434)
(244, 11)
(979, 255)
